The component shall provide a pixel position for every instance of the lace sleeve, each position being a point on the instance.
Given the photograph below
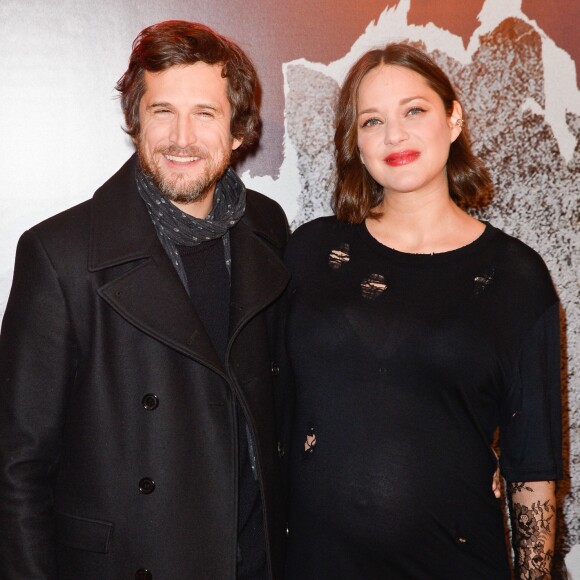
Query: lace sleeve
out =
(533, 518)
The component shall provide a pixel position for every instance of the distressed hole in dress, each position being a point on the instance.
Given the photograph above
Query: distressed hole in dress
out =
(310, 442)
(483, 281)
(373, 286)
(338, 257)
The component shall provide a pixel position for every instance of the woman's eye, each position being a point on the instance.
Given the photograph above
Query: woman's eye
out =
(371, 122)
(415, 111)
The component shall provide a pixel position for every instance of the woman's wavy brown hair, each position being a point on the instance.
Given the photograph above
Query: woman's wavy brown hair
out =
(178, 43)
(356, 193)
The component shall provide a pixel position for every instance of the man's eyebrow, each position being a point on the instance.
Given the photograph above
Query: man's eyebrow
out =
(197, 106)
(207, 106)
(160, 104)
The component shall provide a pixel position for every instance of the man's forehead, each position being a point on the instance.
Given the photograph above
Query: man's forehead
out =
(183, 81)
(197, 68)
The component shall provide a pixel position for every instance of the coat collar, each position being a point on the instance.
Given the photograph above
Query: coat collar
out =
(122, 232)
(121, 229)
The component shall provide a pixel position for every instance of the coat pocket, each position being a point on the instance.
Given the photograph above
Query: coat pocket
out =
(83, 533)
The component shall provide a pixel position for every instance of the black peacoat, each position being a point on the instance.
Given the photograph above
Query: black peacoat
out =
(118, 439)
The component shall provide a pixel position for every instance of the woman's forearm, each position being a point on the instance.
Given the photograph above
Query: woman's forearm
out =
(533, 518)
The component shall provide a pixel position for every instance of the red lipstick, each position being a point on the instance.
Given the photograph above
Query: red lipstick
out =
(402, 158)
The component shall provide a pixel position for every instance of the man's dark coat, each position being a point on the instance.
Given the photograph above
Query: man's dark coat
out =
(118, 440)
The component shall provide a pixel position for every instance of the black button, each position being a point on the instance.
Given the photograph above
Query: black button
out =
(150, 402)
(143, 574)
(146, 486)
(280, 449)
(275, 368)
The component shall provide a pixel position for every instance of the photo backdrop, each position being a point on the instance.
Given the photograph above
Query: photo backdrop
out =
(514, 62)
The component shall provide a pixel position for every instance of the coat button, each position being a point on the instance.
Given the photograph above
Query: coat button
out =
(146, 486)
(150, 402)
(281, 450)
(275, 368)
(143, 574)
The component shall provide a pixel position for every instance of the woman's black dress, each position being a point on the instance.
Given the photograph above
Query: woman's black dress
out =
(405, 364)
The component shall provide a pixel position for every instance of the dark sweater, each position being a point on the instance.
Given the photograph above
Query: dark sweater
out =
(209, 289)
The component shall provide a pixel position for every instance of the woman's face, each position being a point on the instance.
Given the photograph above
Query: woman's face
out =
(404, 133)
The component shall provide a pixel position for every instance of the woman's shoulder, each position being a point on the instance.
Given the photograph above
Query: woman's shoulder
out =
(317, 231)
(515, 251)
(314, 237)
(317, 226)
(522, 265)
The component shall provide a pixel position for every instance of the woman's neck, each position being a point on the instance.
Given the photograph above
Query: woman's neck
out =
(423, 224)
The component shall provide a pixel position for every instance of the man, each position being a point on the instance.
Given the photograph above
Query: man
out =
(137, 429)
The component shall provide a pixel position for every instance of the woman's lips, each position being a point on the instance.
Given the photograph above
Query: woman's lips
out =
(401, 158)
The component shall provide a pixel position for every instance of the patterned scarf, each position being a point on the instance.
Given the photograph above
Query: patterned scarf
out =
(176, 228)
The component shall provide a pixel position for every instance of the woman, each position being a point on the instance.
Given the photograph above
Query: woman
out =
(415, 331)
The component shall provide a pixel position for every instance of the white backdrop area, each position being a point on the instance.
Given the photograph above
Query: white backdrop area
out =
(61, 136)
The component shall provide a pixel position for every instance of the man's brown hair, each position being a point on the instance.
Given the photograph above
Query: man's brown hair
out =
(181, 43)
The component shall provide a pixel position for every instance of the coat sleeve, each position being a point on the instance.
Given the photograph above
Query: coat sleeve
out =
(36, 367)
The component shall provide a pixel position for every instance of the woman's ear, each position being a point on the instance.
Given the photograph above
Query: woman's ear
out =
(456, 121)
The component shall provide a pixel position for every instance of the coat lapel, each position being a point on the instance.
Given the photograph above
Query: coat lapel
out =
(152, 298)
(149, 294)
(147, 291)
(258, 274)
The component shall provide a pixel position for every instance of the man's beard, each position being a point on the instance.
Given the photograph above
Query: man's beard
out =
(179, 187)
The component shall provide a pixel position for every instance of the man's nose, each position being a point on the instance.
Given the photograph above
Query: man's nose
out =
(183, 131)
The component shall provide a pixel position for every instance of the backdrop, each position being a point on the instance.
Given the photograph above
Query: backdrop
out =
(514, 62)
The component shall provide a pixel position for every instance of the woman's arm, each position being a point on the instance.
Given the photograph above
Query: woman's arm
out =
(533, 517)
